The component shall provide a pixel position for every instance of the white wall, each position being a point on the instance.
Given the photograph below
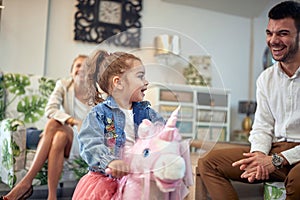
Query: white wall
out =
(260, 42)
(29, 44)
(23, 36)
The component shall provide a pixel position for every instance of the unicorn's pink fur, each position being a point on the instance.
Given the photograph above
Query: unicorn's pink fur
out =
(159, 161)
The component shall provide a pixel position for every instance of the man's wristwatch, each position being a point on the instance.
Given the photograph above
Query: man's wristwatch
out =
(277, 161)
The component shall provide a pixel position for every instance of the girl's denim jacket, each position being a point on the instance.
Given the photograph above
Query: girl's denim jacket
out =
(102, 135)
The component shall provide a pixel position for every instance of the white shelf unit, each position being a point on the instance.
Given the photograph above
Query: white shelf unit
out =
(205, 111)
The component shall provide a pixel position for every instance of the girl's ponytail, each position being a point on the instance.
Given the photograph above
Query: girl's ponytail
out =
(94, 65)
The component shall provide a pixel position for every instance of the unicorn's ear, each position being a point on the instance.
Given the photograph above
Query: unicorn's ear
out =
(144, 128)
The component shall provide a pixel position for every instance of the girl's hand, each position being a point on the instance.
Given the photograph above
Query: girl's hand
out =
(118, 168)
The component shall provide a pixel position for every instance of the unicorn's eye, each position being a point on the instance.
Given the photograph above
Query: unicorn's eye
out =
(146, 152)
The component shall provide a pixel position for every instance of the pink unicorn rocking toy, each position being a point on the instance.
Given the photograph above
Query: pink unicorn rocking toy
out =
(160, 166)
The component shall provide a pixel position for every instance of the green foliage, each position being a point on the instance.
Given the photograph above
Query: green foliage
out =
(30, 106)
(2, 100)
(272, 193)
(46, 86)
(13, 124)
(7, 158)
(78, 166)
(26, 104)
(2, 110)
(12, 179)
(15, 149)
(42, 175)
(16, 83)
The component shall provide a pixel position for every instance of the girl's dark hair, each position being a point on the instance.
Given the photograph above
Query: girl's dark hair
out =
(101, 67)
(286, 9)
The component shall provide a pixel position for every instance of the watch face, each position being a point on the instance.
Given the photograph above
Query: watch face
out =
(277, 161)
(110, 12)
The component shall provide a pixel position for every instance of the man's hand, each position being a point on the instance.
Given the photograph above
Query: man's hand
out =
(256, 166)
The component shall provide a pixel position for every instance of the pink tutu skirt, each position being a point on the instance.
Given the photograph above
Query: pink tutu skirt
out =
(95, 186)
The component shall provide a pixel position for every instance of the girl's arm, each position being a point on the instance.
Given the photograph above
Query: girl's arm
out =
(92, 143)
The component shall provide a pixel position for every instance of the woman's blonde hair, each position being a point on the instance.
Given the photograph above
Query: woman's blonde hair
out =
(101, 68)
(76, 58)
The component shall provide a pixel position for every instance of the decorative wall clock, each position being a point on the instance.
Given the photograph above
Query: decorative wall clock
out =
(98, 20)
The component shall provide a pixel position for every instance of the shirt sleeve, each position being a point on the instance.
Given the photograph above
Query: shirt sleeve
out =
(262, 133)
(292, 155)
(55, 103)
(92, 144)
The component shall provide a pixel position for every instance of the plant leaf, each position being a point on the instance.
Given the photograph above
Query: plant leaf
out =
(16, 83)
(33, 108)
(7, 158)
(46, 86)
(12, 124)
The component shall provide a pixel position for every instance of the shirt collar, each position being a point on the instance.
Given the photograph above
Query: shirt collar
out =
(281, 72)
(110, 102)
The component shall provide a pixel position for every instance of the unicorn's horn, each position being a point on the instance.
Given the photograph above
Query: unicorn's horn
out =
(170, 131)
(173, 118)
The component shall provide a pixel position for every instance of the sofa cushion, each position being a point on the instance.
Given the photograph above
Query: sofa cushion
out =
(32, 137)
(13, 150)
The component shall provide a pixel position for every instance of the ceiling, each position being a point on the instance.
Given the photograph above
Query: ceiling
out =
(243, 8)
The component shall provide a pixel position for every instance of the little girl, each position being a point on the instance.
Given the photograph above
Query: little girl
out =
(112, 124)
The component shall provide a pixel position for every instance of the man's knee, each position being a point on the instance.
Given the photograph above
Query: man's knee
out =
(207, 161)
(292, 182)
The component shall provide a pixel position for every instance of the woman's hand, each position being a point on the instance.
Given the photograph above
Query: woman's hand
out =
(118, 168)
(72, 121)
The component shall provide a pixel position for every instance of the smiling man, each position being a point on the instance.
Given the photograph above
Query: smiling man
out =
(274, 154)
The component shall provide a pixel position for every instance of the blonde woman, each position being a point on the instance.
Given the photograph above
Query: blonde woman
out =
(66, 108)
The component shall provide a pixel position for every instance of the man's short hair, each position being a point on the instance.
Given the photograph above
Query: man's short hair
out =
(286, 9)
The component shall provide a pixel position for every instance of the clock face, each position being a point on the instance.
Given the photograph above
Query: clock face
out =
(98, 20)
(110, 12)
